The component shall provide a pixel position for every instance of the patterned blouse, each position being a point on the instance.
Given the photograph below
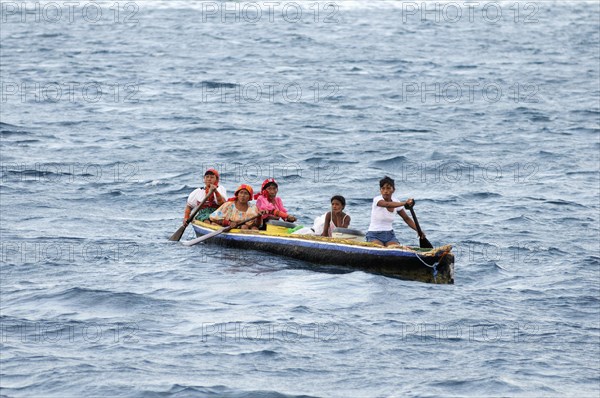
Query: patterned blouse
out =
(229, 212)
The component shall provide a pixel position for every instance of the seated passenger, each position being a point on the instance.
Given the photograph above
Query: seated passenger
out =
(336, 217)
(269, 203)
(238, 209)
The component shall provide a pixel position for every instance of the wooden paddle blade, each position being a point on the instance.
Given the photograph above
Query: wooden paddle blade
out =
(205, 237)
(425, 244)
(176, 237)
(218, 231)
(179, 233)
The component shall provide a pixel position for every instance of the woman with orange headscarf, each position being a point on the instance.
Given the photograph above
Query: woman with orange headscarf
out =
(238, 209)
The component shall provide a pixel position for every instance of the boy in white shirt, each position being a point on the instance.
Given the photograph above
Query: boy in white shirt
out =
(381, 231)
(217, 195)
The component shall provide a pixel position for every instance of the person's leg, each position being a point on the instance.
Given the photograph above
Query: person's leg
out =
(374, 237)
(391, 240)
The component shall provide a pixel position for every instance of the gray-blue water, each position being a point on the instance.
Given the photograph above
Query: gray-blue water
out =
(487, 114)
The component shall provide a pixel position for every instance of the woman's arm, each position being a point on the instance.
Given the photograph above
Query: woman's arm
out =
(219, 197)
(186, 213)
(283, 213)
(409, 221)
(393, 205)
(346, 221)
(219, 216)
(326, 225)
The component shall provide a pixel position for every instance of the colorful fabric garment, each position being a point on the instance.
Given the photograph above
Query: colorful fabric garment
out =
(263, 188)
(268, 181)
(199, 194)
(275, 208)
(204, 214)
(229, 212)
(239, 188)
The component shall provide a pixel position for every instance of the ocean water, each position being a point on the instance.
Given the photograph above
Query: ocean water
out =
(487, 114)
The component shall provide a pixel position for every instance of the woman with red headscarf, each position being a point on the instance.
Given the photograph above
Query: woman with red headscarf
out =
(237, 209)
(269, 203)
(216, 197)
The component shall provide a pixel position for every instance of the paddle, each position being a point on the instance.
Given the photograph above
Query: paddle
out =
(423, 242)
(179, 233)
(218, 231)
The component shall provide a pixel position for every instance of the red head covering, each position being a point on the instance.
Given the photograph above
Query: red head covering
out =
(238, 189)
(263, 190)
(212, 171)
(267, 182)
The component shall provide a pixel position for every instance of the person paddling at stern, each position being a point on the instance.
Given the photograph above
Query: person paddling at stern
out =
(216, 197)
(381, 231)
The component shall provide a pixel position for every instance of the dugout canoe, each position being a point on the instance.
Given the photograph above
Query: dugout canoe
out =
(409, 263)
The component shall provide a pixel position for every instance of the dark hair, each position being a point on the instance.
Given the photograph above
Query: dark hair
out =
(386, 180)
(340, 199)
(209, 173)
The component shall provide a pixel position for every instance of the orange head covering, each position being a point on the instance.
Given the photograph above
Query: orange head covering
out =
(238, 189)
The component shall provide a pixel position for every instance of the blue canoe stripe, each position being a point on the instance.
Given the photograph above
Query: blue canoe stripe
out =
(344, 248)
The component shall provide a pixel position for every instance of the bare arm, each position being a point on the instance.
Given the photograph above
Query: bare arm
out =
(186, 213)
(219, 197)
(393, 205)
(346, 221)
(326, 225)
(409, 221)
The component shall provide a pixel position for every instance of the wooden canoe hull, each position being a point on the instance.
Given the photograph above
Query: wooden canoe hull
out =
(426, 265)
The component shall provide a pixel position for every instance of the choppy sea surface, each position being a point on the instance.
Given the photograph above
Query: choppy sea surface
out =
(488, 115)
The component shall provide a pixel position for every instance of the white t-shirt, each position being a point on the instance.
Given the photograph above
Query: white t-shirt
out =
(198, 195)
(381, 218)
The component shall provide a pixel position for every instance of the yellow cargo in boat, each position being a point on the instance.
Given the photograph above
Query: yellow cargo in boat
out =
(279, 227)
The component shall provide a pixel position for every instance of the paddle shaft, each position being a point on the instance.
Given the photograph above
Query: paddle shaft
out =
(423, 242)
(414, 216)
(179, 233)
(219, 231)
